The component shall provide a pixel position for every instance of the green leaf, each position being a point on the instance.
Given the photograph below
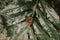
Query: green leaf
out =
(20, 33)
(49, 25)
(43, 5)
(10, 30)
(28, 4)
(4, 21)
(43, 36)
(57, 26)
(34, 36)
(21, 13)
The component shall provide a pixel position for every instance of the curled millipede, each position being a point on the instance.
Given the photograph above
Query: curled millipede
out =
(29, 20)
